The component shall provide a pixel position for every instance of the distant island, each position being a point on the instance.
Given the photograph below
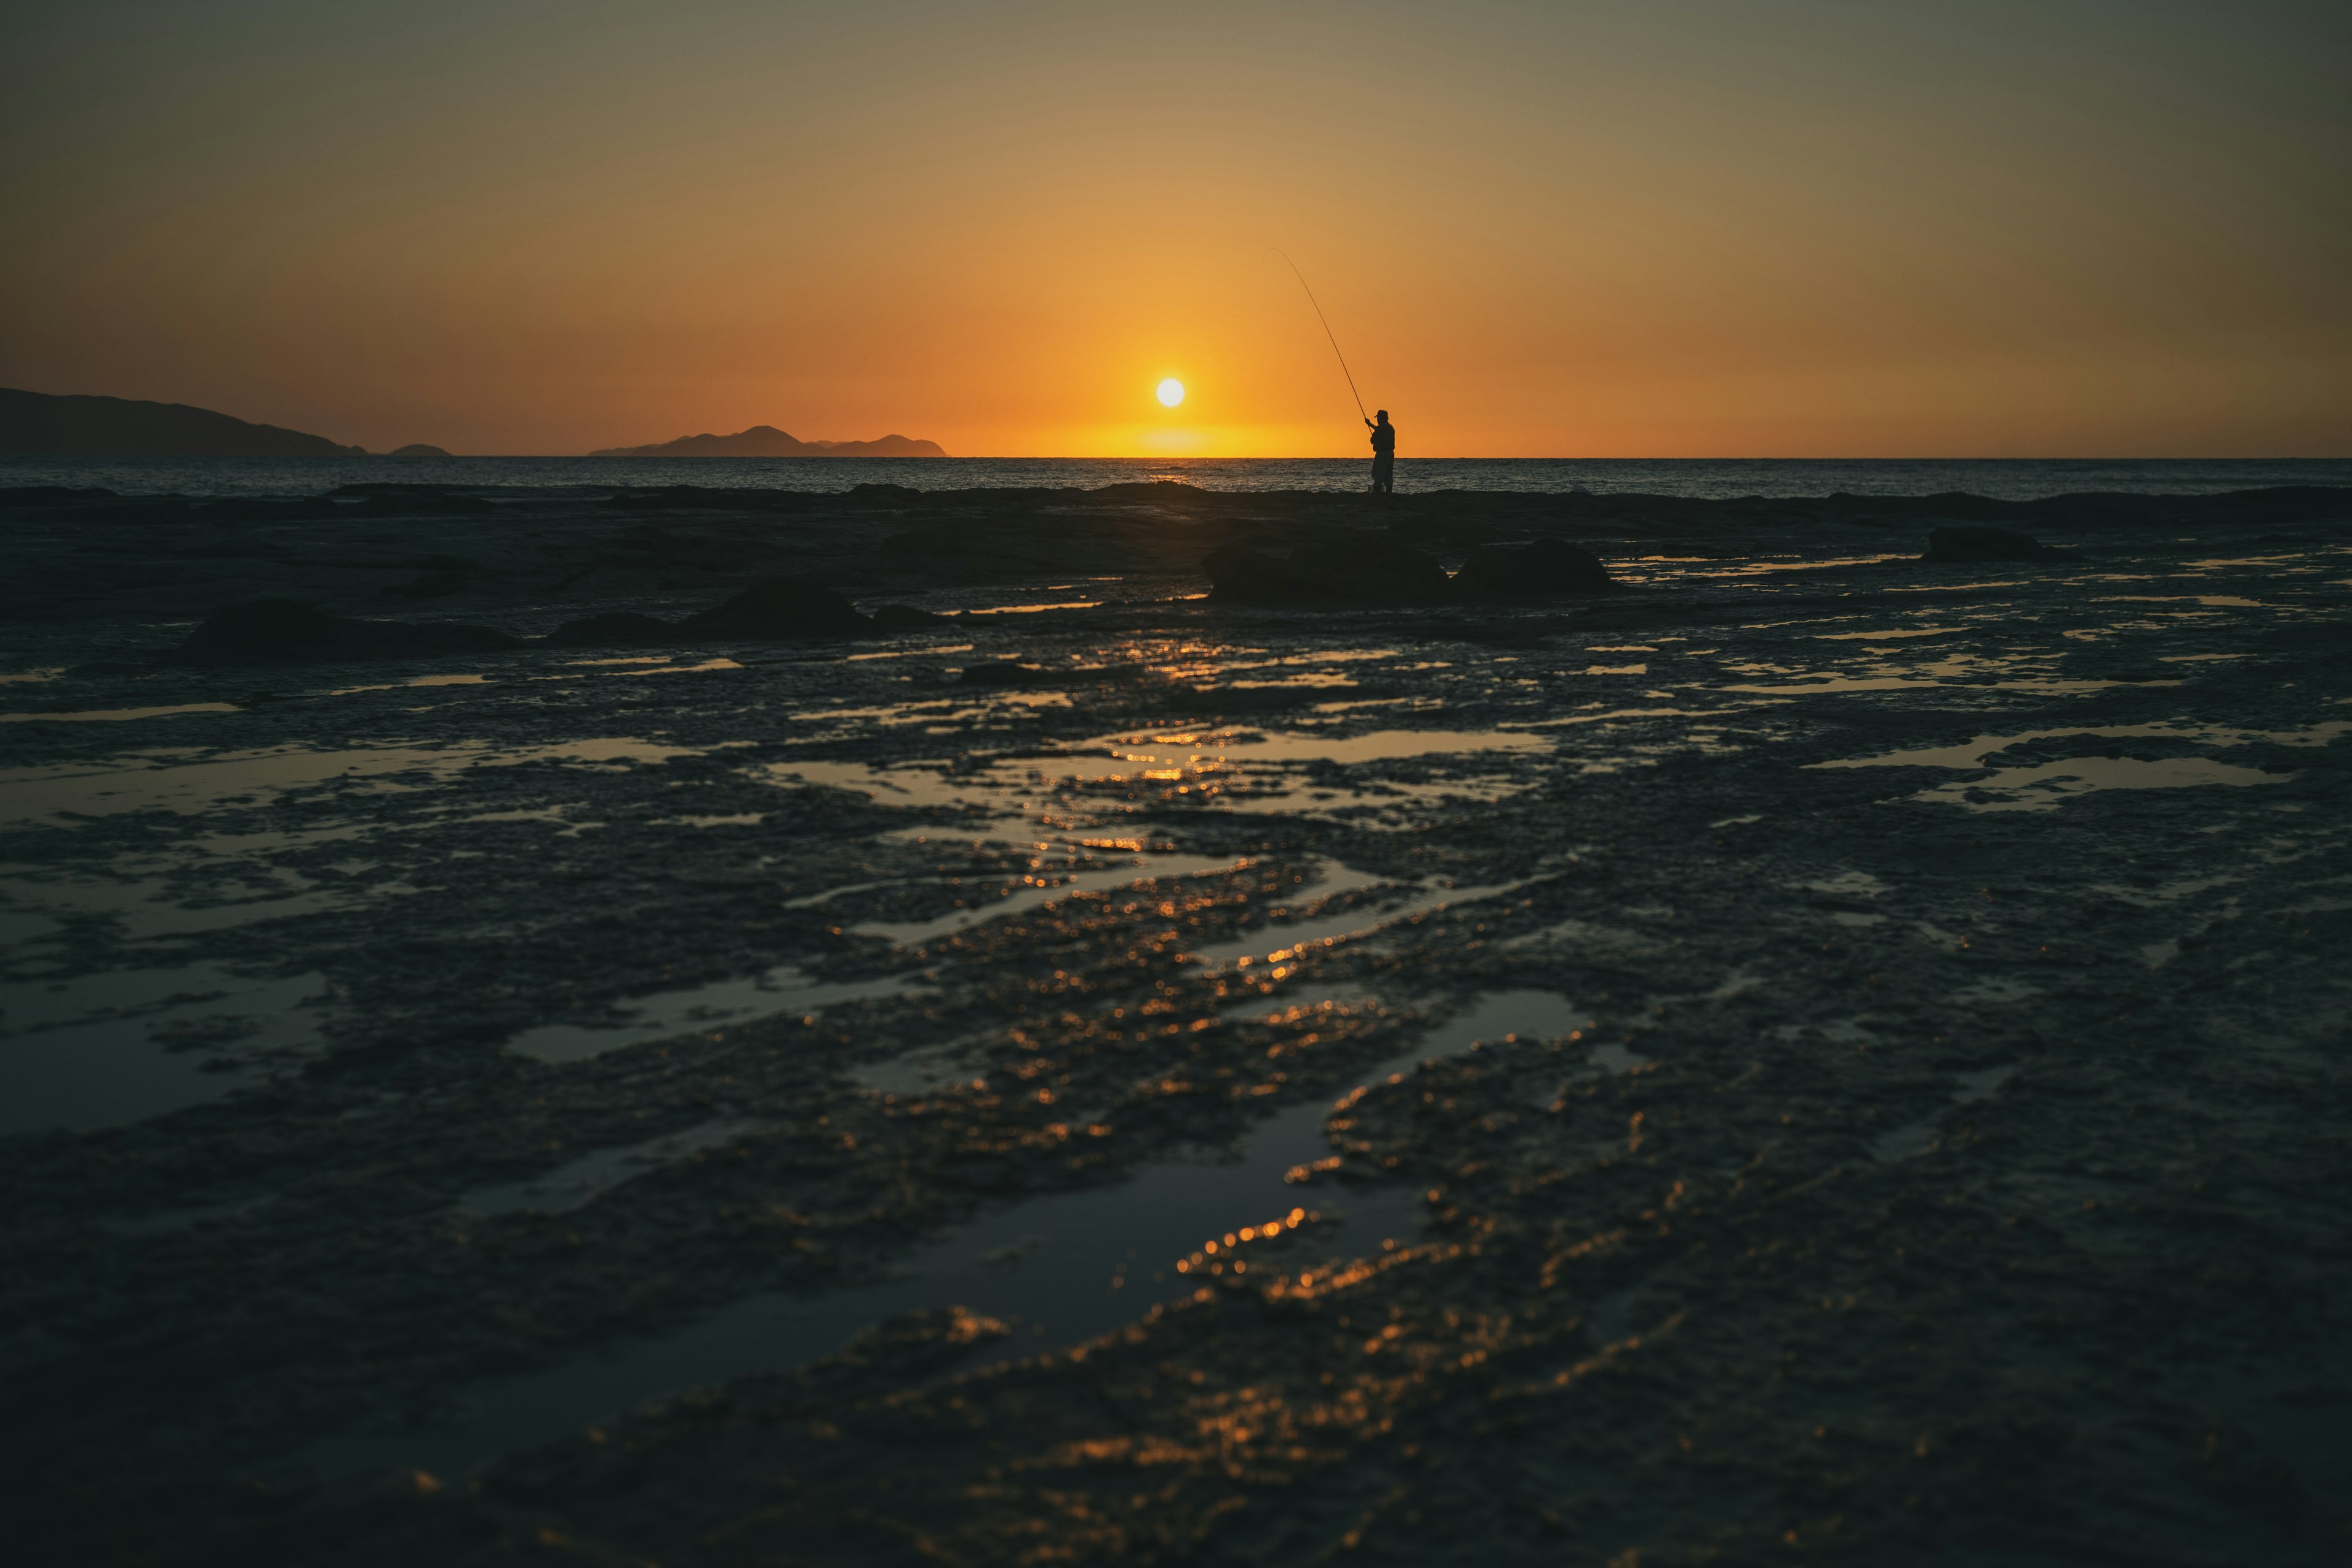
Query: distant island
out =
(35, 423)
(417, 449)
(767, 441)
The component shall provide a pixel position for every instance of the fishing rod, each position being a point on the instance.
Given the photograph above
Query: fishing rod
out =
(1328, 333)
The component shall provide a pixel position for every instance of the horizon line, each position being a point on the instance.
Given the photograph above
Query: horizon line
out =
(1119, 457)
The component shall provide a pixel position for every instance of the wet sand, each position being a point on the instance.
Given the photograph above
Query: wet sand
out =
(1812, 1057)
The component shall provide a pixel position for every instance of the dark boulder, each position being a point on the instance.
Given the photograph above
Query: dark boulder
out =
(271, 631)
(933, 541)
(1539, 566)
(1353, 569)
(779, 607)
(1440, 532)
(1243, 576)
(905, 617)
(441, 575)
(1982, 542)
(619, 628)
(1371, 572)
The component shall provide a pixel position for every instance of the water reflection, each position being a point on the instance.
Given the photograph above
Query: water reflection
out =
(1063, 1267)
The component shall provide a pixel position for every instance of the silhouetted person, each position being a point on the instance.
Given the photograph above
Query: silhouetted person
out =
(1383, 455)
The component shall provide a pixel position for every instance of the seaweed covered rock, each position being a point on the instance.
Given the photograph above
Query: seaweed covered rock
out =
(783, 607)
(1982, 542)
(620, 628)
(272, 631)
(1539, 566)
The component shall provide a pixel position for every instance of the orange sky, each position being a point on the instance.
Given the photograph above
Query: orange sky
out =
(1664, 228)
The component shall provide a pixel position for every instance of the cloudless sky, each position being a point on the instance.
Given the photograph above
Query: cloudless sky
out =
(1574, 228)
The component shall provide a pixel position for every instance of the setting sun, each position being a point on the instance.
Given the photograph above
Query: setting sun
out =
(1172, 393)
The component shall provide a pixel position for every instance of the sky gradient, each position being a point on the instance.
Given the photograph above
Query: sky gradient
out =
(1665, 228)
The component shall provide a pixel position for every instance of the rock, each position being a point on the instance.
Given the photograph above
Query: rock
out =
(1982, 542)
(1440, 532)
(1371, 571)
(440, 575)
(928, 541)
(269, 631)
(620, 628)
(1354, 569)
(779, 607)
(1539, 566)
(1243, 576)
(905, 617)
(1006, 672)
(884, 495)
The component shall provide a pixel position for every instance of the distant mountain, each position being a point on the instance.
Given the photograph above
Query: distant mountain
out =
(767, 441)
(35, 423)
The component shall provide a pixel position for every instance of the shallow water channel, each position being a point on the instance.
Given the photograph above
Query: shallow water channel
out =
(1057, 1269)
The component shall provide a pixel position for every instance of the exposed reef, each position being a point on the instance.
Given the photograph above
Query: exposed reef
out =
(1805, 1056)
(1980, 542)
(275, 630)
(585, 550)
(779, 607)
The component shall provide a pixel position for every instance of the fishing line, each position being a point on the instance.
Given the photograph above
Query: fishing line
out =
(1327, 332)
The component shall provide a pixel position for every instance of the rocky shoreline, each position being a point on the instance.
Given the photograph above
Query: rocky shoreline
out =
(1808, 1054)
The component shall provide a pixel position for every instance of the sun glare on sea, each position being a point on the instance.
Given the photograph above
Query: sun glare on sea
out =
(1172, 393)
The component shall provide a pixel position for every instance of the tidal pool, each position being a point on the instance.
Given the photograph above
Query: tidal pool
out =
(1059, 1269)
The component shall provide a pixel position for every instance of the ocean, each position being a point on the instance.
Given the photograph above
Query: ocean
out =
(1712, 479)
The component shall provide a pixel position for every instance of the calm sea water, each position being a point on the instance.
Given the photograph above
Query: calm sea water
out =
(1706, 478)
